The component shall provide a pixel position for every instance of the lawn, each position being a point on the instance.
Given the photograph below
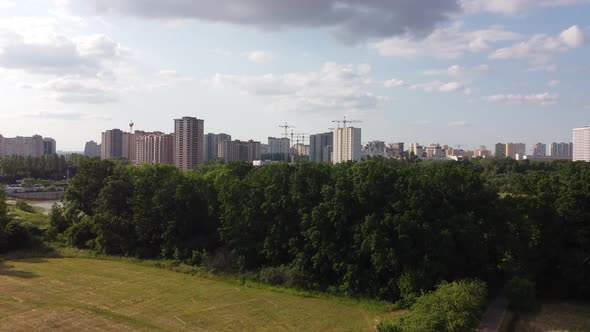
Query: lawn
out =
(91, 294)
(557, 316)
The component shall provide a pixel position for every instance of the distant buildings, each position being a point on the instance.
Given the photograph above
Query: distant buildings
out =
(347, 144)
(514, 150)
(112, 144)
(500, 150)
(154, 148)
(374, 149)
(188, 142)
(278, 148)
(128, 148)
(562, 150)
(581, 144)
(539, 150)
(92, 149)
(321, 147)
(35, 146)
(396, 150)
(239, 150)
(483, 152)
(417, 150)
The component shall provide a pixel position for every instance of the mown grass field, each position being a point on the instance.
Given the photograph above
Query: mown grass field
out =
(83, 294)
(556, 316)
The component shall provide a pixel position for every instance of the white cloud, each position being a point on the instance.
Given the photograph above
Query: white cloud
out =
(335, 87)
(259, 56)
(393, 83)
(553, 83)
(76, 90)
(542, 48)
(66, 115)
(437, 86)
(459, 71)
(542, 99)
(5, 4)
(458, 124)
(511, 7)
(543, 68)
(449, 42)
(573, 37)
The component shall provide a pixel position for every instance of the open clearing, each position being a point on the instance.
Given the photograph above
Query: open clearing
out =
(557, 316)
(80, 294)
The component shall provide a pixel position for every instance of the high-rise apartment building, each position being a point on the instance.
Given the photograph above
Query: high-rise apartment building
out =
(562, 150)
(582, 144)
(212, 145)
(435, 151)
(396, 150)
(539, 150)
(239, 150)
(347, 144)
(320, 147)
(514, 149)
(154, 148)
(92, 149)
(22, 146)
(374, 149)
(500, 151)
(112, 144)
(482, 152)
(417, 150)
(49, 147)
(128, 148)
(278, 148)
(188, 142)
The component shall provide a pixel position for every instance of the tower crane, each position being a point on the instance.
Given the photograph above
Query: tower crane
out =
(344, 122)
(286, 127)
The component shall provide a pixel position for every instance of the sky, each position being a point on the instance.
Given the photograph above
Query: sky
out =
(456, 72)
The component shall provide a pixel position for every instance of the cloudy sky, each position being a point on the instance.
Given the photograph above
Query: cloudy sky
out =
(463, 72)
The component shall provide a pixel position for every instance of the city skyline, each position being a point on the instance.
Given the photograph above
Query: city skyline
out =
(466, 72)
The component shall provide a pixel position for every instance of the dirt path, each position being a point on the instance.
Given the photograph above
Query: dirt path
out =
(494, 315)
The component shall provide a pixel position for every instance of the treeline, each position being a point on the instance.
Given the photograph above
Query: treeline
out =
(50, 167)
(380, 228)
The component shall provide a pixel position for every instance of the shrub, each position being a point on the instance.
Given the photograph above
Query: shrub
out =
(18, 235)
(284, 276)
(408, 287)
(80, 235)
(453, 307)
(25, 207)
(521, 294)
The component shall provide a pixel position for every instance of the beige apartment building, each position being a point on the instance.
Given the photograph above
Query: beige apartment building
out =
(188, 142)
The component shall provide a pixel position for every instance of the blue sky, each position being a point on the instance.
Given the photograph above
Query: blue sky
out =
(466, 72)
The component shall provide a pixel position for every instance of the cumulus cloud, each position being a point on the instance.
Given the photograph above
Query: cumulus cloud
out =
(66, 115)
(351, 19)
(335, 87)
(393, 83)
(542, 99)
(542, 48)
(450, 42)
(259, 56)
(76, 90)
(511, 7)
(459, 71)
(437, 86)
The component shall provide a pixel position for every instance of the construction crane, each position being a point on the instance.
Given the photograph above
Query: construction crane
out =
(286, 127)
(344, 122)
(131, 124)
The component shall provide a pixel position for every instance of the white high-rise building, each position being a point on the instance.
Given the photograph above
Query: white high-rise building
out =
(278, 148)
(347, 144)
(582, 144)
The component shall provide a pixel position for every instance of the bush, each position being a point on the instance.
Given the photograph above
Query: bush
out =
(25, 207)
(408, 287)
(453, 307)
(283, 276)
(18, 235)
(80, 235)
(57, 221)
(521, 294)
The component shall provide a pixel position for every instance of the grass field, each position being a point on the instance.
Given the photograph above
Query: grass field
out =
(91, 294)
(556, 316)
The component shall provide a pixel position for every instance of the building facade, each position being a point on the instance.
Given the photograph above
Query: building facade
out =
(112, 144)
(539, 150)
(49, 146)
(562, 150)
(92, 149)
(347, 144)
(581, 144)
(500, 150)
(515, 149)
(321, 147)
(188, 142)
(33, 146)
(278, 148)
(154, 148)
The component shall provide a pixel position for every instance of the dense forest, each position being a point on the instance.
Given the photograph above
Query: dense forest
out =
(50, 167)
(380, 228)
